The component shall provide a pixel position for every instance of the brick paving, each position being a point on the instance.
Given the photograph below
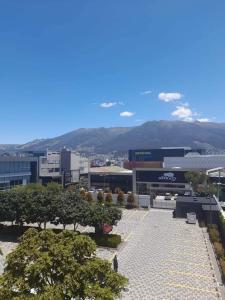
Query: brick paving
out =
(164, 258)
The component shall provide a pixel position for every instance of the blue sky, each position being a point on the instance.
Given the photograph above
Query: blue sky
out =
(75, 63)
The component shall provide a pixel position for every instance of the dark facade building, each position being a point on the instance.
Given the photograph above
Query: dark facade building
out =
(17, 171)
(206, 208)
(157, 155)
(160, 181)
(154, 158)
(110, 178)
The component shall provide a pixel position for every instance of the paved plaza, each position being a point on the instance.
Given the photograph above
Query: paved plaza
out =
(163, 257)
(166, 258)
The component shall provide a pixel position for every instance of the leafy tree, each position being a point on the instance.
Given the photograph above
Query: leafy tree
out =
(43, 207)
(61, 266)
(131, 201)
(120, 198)
(88, 197)
(100, 197)
(196, 178)
(98, 215)
(108, 199)
(54, 187)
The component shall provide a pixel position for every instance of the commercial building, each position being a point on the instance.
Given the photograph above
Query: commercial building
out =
(195, 162)
(154, 158)
(63, 167)
(17, 171)
(73, 166)
(110, 178)
(160, 181)
(50, 167)
(206, 208)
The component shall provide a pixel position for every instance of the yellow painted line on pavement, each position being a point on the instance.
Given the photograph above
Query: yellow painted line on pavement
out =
(147, 212)
(127, 238)
(188, 287)
(133, 213)
(190, 274)
(186, 262)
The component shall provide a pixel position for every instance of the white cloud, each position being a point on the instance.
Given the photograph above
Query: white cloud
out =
(169, 97)
(203, 120)
(108, 104)
(127, 114)
(146, 93)
(183, 112)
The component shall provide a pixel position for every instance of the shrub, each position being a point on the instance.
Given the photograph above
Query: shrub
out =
(219, 249)
(131, 201)
(222, 265)
(108, 199)
(120, 198)
(214, 234)
(106, 240)
(89, 197)
(100, 197)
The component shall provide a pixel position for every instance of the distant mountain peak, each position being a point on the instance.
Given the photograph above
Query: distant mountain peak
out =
(151, 134)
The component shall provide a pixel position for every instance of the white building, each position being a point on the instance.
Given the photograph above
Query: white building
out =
(195, 162)
(49, 165)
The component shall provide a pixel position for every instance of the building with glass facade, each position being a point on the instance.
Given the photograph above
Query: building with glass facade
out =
(17, 171)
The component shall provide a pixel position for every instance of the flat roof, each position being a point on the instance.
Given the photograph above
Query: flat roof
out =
(15, 158)
(111, 170)
(193, 199)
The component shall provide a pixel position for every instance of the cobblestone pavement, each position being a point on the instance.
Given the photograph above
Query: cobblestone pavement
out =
(164, 258)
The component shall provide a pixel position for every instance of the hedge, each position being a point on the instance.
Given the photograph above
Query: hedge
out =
(222, 265)
(219, 249)
(106, 240)
(214, 233)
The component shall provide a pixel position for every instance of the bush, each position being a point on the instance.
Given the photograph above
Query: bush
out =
(108, 199)
(120, 198)
(219, 249)
(89, 197)
(131, 201)
(106, 240)
(214, 234)
(100, 197)
(222, 265)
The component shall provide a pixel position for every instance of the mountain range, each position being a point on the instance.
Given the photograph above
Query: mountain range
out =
(152, 134)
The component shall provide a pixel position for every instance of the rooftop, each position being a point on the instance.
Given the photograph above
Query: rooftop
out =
(111, 170)
(201, 200)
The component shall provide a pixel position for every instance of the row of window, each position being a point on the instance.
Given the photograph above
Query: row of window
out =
(14, 167)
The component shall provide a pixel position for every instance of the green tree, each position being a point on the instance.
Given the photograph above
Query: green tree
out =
(100, 197)
(131, 201)
(98, 215)
(43, 207)
(61, 266)
(196, 178)
(108, 199)
(120, 198)
(88, 197)
(71, 209)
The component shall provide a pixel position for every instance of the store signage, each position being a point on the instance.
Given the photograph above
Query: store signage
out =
(168, 177)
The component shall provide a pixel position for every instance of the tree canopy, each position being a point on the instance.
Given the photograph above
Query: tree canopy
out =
(37, 204)
(46, 265)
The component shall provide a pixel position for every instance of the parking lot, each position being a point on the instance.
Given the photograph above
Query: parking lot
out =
(164, 258)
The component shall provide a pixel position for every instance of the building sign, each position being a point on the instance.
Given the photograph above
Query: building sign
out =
(160, 176)
(168, 177)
